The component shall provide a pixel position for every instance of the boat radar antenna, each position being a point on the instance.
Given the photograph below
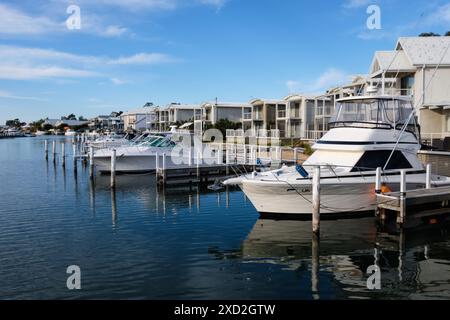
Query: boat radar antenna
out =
(413, 112)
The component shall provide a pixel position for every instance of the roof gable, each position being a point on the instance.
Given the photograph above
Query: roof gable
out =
(426, 50)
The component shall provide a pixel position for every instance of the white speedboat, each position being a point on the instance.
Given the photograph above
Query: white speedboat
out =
(134, 158)
(110, 141)
(366, 133)
(70, 133)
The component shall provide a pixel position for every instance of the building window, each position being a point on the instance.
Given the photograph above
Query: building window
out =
(407, 85)
(447, 123)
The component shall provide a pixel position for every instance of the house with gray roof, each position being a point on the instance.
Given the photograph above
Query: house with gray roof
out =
(418, 67)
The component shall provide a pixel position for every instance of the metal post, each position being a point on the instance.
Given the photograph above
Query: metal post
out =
(255, 156)
(190, 156)
(74, 155)
(46, 149)
(219, 155)
(63, 153)
(164, 162)
(91, 162)
(428, 177)
(402, 215)
(113, 168)
(402, 181)
(157, 162)
(316, 201)
(198, 165)
(244, 156)
(378, 181)
(54, 150)
(227, 160)
(295, 156)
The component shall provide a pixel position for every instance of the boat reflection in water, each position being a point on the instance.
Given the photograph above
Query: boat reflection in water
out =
(345, 251)
(277, 254)
(143, 188)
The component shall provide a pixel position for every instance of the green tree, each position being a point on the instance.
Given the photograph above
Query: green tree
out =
(429, 34)
(13, 123)
(36, 125)
(447, 34)
(224, 124)
(47, 127)
(69, 117)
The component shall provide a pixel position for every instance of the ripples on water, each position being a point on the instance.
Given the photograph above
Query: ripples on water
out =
(140, 243)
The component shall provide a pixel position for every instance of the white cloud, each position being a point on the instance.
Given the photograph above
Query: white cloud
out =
(293, 86)
(117, 81)
(24, 54)
(330, 78)
(152, 5)
(20, 63)
(18, 72)
(8, 95)
(114, 31)
(143, 58)
(13, 22)
(440, 16)
(351, 4)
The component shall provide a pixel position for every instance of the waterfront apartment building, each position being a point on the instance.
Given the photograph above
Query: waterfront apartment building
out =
(139, 119)
(176, 114)
(295, 116)
(111, 122)
(418, 67)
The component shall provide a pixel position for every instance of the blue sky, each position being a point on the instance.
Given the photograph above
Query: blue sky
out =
(190, 51)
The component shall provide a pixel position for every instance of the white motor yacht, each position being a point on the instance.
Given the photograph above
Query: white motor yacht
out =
(366, 133)
(136, 157)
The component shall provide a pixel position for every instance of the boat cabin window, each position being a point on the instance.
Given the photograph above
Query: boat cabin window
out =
(378, 113)
(371, 160)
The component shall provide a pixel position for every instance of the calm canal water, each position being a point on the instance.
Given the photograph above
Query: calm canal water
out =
(141, 243)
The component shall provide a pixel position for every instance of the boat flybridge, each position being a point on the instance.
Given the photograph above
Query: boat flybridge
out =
(366, 132)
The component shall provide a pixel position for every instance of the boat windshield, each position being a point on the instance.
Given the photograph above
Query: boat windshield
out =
(379, 113)
(157, 142)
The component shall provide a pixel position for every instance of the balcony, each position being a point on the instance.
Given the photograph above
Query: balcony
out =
(258, 116)
(247, 116)
(281, 114)
(295, 113)
(326, 111)
(399, 92)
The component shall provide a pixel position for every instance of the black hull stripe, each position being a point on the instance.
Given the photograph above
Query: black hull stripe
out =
(367, 175)
(362, 143)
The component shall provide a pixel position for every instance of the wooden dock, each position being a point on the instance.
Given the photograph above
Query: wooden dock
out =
(412, 201)
(197, 175)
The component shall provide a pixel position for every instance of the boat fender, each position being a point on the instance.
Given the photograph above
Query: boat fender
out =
(302, 171)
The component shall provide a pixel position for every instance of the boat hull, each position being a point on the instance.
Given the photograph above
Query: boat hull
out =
(335, 198)
(134, 164)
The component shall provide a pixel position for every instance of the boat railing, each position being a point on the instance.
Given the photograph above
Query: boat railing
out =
(364, 172)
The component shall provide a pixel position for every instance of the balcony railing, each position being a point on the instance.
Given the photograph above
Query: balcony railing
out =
(247, 116)
(257, 116)
(281, 113)
(314, 134)
(295, 113)
(398, 91)
(324, 111)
